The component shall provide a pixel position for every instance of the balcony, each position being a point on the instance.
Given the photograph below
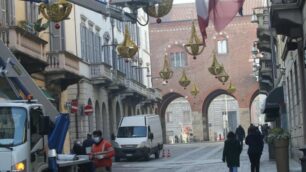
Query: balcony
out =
(28, 48)
(136, 87)
(287, 13)
(63, 69)
(118, 82)
(101, 74)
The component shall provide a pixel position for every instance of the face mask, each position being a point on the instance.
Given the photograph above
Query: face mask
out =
(96, 139)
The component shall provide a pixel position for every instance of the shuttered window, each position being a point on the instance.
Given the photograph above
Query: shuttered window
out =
(83, 42)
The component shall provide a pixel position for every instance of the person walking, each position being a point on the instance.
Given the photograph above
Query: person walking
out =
(102, 153)
(240, 133)
(87, 144)
(231, 152)
(255, 141)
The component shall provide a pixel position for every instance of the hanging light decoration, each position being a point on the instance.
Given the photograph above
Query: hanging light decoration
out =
(231, 88)
(39, 26)
(223, 76)
(215, 67)
(195, 46)
(166, 73)
(195, 90)
(127, 49)
(159, 10)
(184, 81)
(57, 11)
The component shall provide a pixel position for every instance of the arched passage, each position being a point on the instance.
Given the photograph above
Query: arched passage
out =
(167, 99)
(256, 103)
(118, 114)
(104, 120)
(111, 116)
(179, 127)
(98, 116)
(205, 111)
(223, 116)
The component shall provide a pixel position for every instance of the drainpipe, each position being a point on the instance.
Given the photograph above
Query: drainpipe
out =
(76, 114)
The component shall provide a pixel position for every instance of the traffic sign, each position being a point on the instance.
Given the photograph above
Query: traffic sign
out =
(88, 110)
(74, 106)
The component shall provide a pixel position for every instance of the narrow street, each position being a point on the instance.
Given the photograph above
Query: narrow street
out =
(193, 158)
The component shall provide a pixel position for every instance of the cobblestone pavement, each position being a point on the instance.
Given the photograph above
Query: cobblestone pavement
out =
(197, 157)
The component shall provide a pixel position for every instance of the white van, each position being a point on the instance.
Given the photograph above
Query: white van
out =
(139, 136)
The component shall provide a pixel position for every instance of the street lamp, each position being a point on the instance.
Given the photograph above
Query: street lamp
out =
(195, 46)
(159, 9)
(57, 11)
(166, 73)
(184, 81)
(127, 49)
(215, 67)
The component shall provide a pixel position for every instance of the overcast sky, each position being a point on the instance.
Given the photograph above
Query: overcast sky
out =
(182, 1)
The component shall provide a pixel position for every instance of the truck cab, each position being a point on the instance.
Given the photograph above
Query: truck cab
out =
(22, 129)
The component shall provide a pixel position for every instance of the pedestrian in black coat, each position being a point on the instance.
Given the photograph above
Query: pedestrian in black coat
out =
(240, 133)
(256, 144)
(231, 152)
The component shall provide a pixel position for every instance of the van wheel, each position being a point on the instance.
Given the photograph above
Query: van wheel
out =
(157, 154)
(117, 159)
(147, 156)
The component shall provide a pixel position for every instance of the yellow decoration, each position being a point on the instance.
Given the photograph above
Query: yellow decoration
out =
(166, 73)
(159, 10)
(223, 76)
(57, 11)
(215, 67)
(231, 88)
(127, 49)
(184, 81)
(195, 46)
(195, 90)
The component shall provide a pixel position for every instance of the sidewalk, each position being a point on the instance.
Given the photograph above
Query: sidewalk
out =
(266, 165)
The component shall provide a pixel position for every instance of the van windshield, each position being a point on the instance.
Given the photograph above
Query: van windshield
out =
(128, 132)
(13, 122)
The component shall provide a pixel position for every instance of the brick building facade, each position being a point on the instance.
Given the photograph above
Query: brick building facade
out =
(234, 52)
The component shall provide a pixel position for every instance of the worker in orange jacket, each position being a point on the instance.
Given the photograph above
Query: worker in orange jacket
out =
(102, 153)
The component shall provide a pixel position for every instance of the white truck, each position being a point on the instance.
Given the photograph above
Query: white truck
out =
(139, 136)
(25, 123)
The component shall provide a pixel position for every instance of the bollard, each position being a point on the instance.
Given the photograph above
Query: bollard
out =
(168, 155)
(303, 159)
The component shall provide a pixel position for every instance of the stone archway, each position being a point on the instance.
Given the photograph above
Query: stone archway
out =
(104, 121)
(118, 114)
(256, 102)
(98, 116)
(205, 107)
(167, 99)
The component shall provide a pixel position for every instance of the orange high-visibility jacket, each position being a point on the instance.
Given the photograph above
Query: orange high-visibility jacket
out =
(107, 150)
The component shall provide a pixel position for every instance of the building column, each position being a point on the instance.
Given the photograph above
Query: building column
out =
(245, 117)
(200, 131)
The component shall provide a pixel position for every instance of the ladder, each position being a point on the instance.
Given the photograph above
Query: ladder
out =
(13, 75)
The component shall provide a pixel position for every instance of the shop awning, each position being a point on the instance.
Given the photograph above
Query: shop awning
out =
(274, 99)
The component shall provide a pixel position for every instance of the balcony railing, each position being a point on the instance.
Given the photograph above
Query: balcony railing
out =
(63, 61)
(101, 70)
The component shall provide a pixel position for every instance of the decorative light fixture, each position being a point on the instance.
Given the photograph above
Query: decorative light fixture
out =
(215, 67)
(127, 49)
(57, 11)
(231, 88)
(223, 76)
(38, 26)
(184, 81)
(195, 46)
(195, 90)
(159, 9)
(166, 73)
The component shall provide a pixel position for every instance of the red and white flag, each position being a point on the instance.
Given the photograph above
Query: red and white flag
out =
(221, 12)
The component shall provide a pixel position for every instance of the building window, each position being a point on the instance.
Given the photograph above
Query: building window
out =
(222, 46)
(83, 41)
(3, 12)
(178, 59)
(106, 49)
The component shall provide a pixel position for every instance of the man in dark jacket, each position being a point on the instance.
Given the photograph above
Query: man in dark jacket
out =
(240, 133)
(256, 144)
(231, 152)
